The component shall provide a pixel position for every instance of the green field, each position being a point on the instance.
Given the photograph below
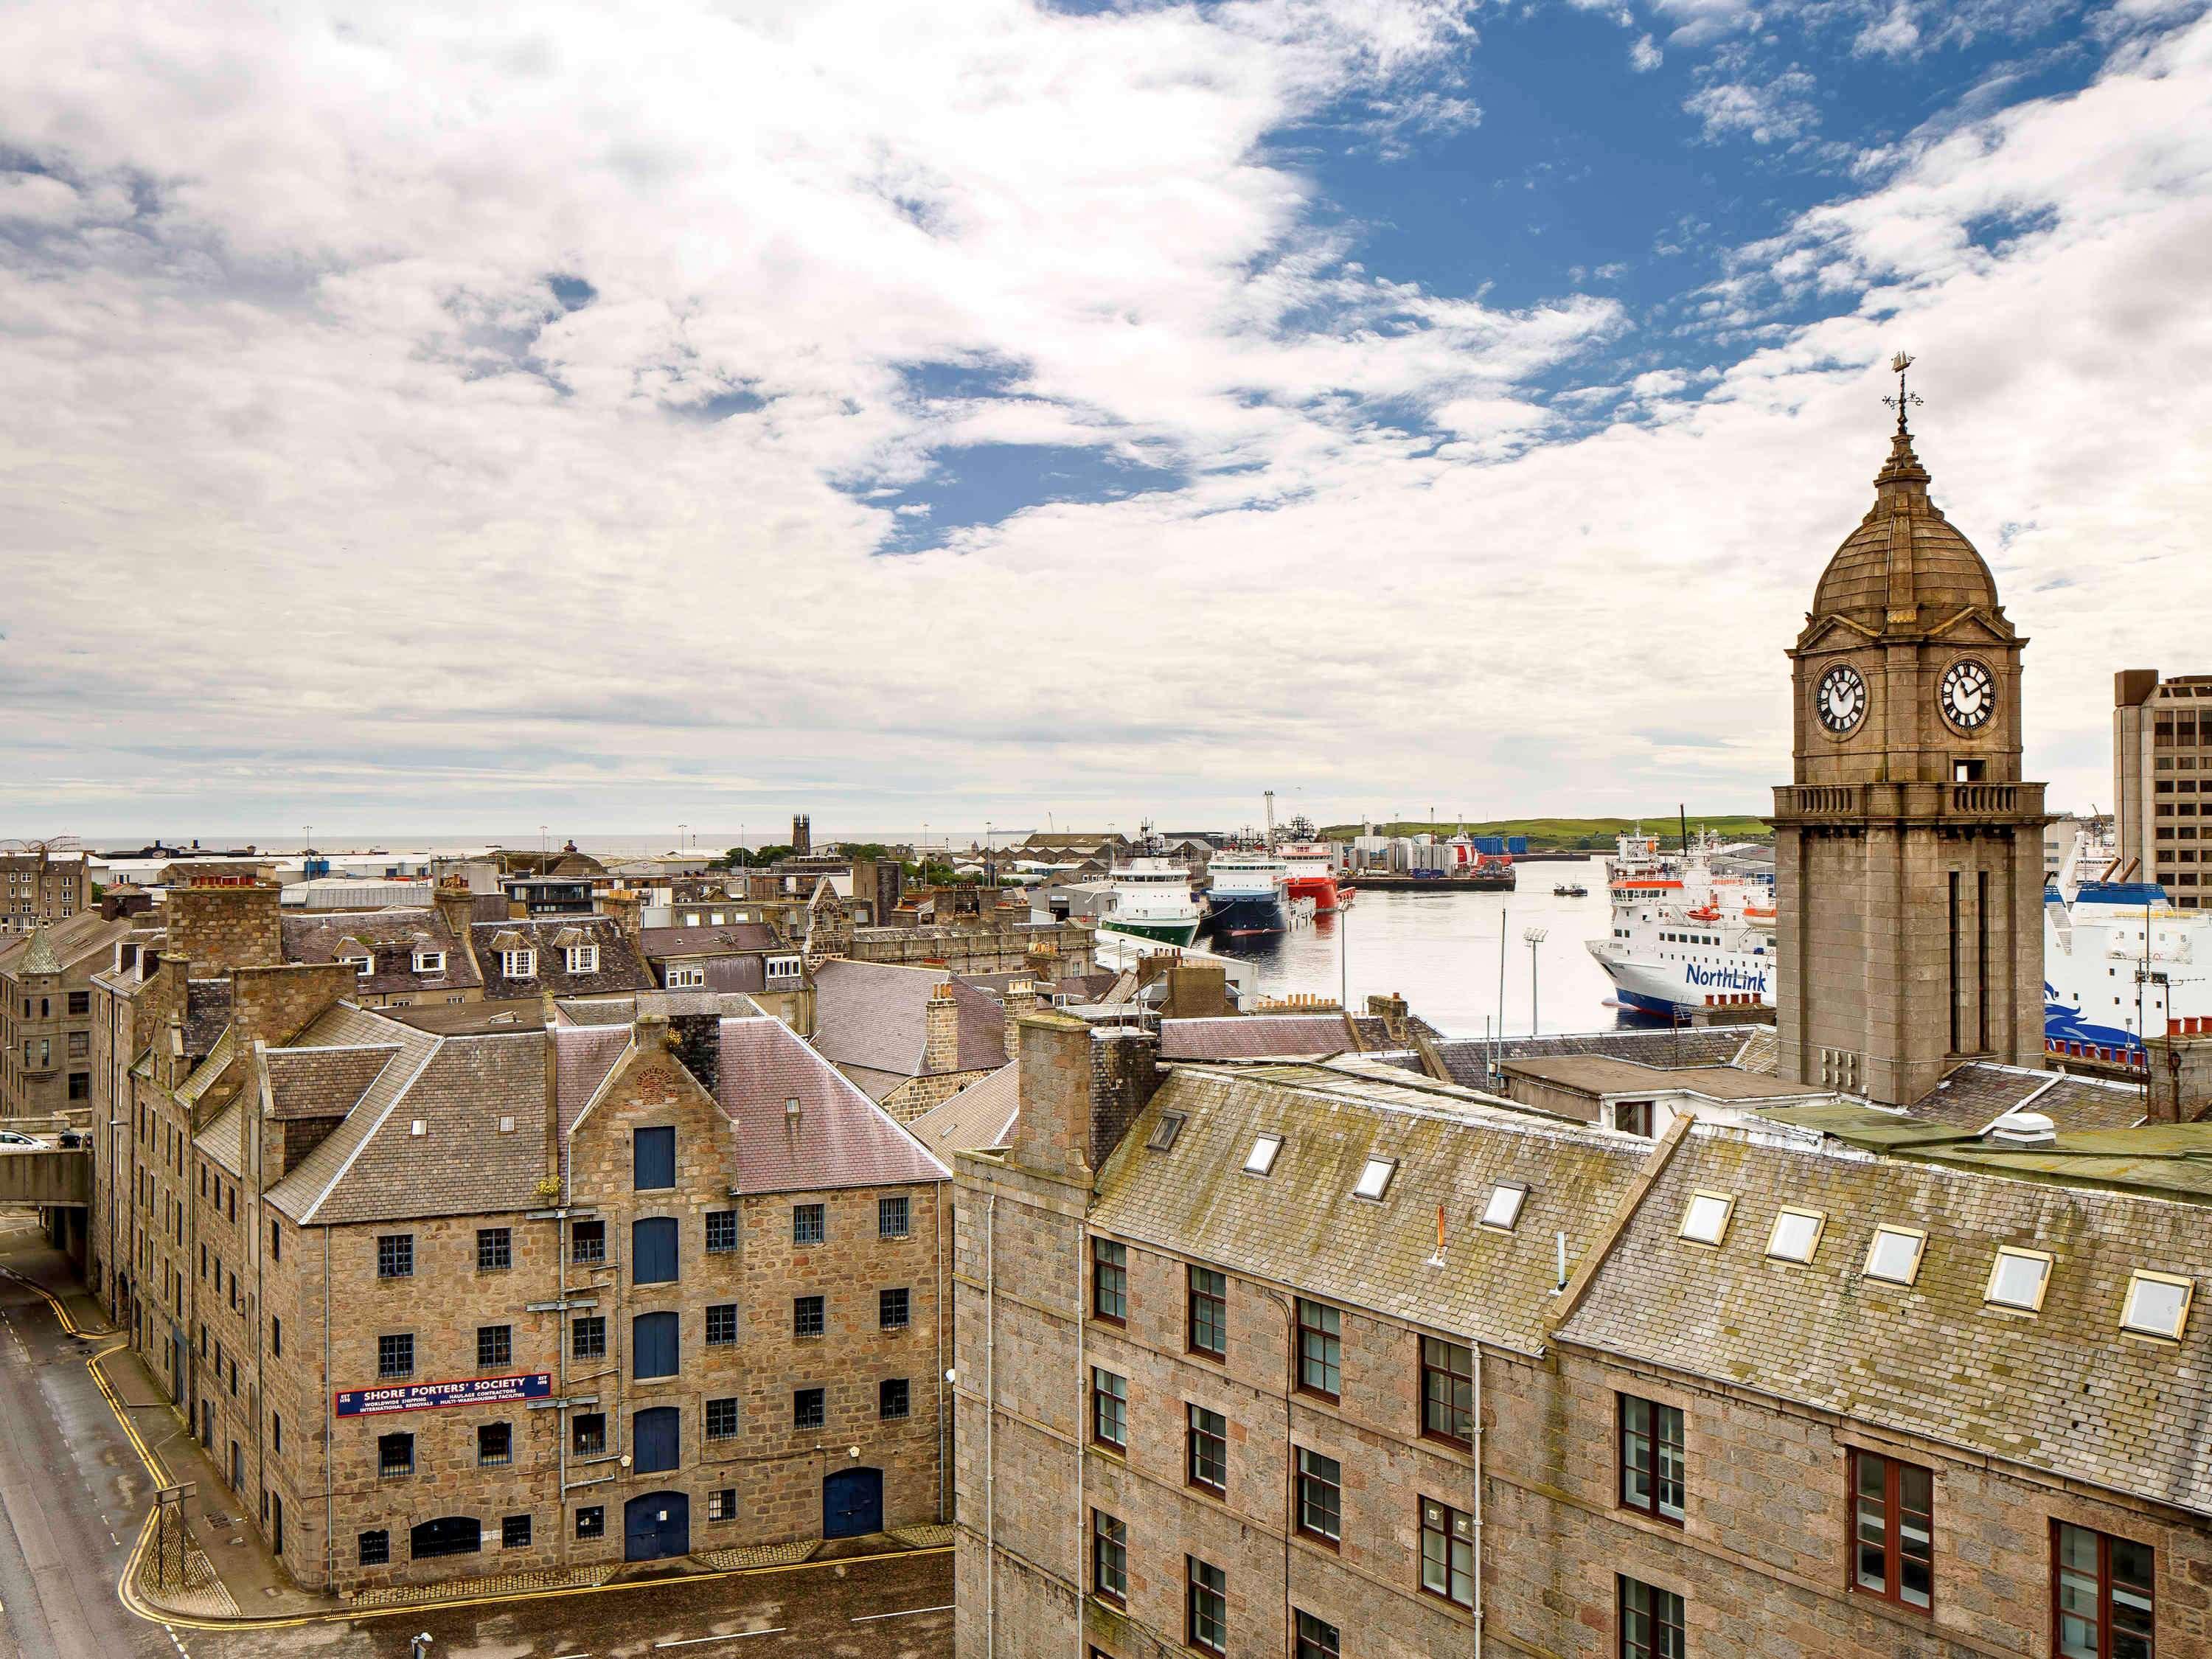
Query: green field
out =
(1559, 833)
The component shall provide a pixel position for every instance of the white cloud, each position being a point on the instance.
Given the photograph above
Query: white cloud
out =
(314, 494)
(1644, 56)
(1774, 111)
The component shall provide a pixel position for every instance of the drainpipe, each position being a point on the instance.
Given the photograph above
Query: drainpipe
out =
(1290, 1461)
(990, 1425)
(1475, 1348)
(943, 1438)
(1082, 1428)
(329, 1494)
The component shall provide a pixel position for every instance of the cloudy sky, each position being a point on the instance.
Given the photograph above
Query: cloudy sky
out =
(452, 419)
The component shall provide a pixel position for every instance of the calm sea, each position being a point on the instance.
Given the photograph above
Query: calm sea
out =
(1440, 951)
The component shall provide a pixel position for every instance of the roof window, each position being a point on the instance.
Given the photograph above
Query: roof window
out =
(2157, 1305)
(362, 966)
(2019, 1277)
(1705, 1222)
(1797, 1234)
(1893, 1256)
(1261, 1157)
(1504, 1209)
(1374, 1179)
(1164, 1131)
(429, 961)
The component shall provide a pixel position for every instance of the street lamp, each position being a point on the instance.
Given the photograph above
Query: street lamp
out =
(1536, 937)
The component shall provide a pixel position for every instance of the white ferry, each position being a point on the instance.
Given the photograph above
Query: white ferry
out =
(2120, 962)
(1153, 899)
(1683, 938)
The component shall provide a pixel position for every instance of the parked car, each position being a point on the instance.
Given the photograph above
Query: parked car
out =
(11, 1138)
(75, 1138)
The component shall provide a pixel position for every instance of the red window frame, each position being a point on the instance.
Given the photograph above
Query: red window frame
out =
(1100, 1282)
(1449, 1404)
(1894, 1477)
(2104, 1542)
(1194, 1296)
(1197, 1439)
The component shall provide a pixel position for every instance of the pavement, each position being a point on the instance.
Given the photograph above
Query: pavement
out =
(87, 1439)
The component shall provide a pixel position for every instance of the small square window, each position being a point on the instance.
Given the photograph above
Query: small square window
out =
(1375, 1177)
(395, 1255)
(495, 1250)
(375, 1548)
(587, 1434)
(395, 1354)
(1165, 1129)
(395, 1453)
(807, 1317)
(514, 1533)
(721, 1231)
(808, 1225)
(806, 1408)
(1705, 1221)
(721, 1324)
(592, 1522)
(1893, 1256)
(892, 1399)
(1261, 1158)
(1797, 1234)
(495, 1444)
(2157, 1305)
(588, 1337)
(893, 1218)
(892, 1311)
(2017, 1278)
(1504, 1209)
(722, 1419)
(722, 1503)
(494, 1346)
(429, 961)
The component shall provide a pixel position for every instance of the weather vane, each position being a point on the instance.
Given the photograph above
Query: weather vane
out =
(1903, 400)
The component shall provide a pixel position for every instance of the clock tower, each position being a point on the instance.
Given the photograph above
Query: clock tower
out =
(1908, 853)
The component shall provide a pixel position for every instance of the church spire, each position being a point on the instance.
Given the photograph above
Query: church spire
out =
(1901, 486)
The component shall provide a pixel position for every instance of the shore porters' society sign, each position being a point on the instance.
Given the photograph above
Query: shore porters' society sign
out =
(427, 1396)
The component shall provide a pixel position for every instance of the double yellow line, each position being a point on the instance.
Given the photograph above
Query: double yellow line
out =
(126, 1593)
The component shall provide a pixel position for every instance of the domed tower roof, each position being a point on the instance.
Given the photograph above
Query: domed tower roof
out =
(1906, 568)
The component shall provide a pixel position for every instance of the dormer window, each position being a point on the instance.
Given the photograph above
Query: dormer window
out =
(518, 964)
(580, 958)
(362, 966)
(686, 979)
(784, 967)
(429, 961)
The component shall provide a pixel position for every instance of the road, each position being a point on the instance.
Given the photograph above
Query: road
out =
(73, 1494)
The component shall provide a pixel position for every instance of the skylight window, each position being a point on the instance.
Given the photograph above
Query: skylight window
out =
(2017, 1278)
(1894, 1255)
(1261, 1157)
(1797, 1234)
(1705, 1222)
(1504, 1209)
(1374, 1179)
(1165, 1131)
(2157, 1305)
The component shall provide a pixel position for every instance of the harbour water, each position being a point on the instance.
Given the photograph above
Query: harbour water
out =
(1439, 951)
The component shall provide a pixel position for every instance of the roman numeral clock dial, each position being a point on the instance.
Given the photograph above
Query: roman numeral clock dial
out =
(1969, 695)
(1840, 699)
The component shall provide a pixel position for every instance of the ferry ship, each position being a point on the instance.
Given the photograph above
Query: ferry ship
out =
(1249, 893)
(2120, 962)
(1153, 899)
(1682, 937)
(1312, 868)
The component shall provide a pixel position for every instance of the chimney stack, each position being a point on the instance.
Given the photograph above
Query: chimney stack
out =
(941, 1030)
(1021, 999)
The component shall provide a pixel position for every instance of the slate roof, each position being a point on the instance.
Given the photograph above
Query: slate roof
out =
(742, 975)
(585, 1055)
(2060, 1389)
(222, 1139)
(1975, 1095)
(711, 940)
(207, 1014)
(871, 1017)
(374, 1168)
(1301, 1226)
(390, 937)
(1605, 1074)
(204, 1075)
(305, 1083)
(1255, 1037)
(841, 1138)
(981, 1114)
(621, 968)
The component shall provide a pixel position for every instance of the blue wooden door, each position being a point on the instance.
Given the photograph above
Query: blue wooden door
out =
(852, 1503)
(655, 1526)
(655, 1438)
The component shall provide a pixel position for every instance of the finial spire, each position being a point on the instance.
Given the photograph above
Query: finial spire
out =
(1903, 400)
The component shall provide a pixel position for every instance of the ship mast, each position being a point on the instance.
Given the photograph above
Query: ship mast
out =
(1271, 823)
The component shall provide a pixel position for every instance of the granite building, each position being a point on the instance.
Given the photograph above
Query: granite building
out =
(616, 1278)
(38, 888)
(2161, 759)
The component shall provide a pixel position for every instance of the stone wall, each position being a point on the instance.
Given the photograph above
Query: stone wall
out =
(974, 949)
(217, 928)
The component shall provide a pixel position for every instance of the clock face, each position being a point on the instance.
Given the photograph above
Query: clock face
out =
(1969, 695)
(1841, 698)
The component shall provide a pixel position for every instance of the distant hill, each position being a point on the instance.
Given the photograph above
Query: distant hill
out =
(1595, 834)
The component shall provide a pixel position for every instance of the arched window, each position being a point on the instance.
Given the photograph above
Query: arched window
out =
(449, 1534)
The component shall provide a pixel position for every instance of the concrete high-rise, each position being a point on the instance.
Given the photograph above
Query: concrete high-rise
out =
(2161, 749)
(1908, 851)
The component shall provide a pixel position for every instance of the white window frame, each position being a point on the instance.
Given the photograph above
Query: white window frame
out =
(429, 961)
(686, 979)
(1374, 1179)
(1700, 1196)
(518, 964)
(362, 966)
(2143, 1276)
(1260, 1160)
(785, 967)
(1919, 1238)
(580, 958)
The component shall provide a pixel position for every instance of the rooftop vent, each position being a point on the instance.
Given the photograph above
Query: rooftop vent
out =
(2024, 1130)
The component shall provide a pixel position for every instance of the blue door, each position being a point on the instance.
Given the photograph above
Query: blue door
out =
(852, 1503)
(655, 1438)
(656, 1526)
